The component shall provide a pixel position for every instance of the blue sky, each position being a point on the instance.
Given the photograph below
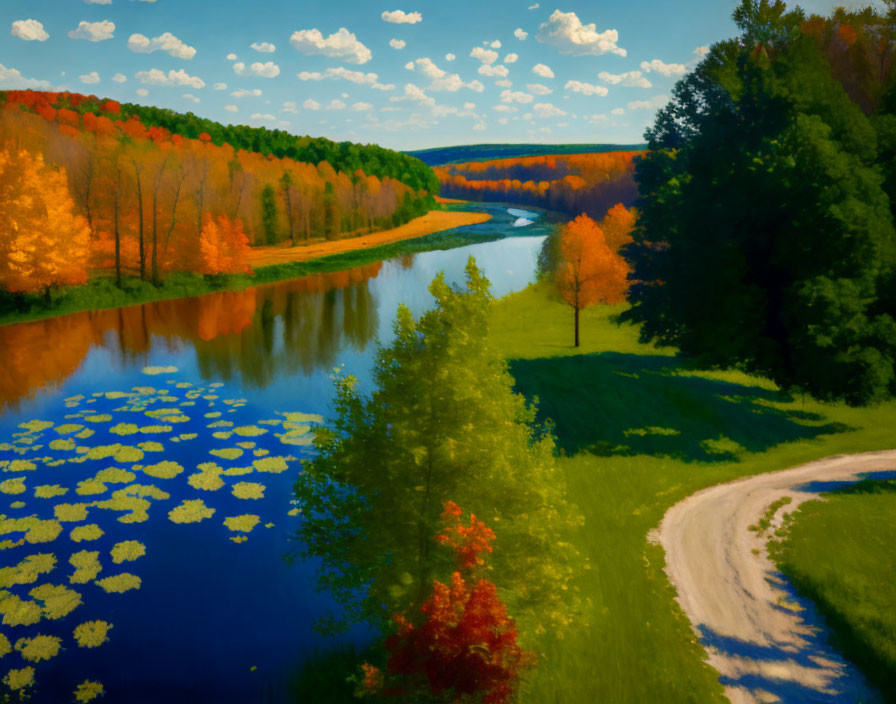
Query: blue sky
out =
(406, 75)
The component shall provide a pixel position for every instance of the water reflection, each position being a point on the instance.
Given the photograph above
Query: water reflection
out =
(256, 334)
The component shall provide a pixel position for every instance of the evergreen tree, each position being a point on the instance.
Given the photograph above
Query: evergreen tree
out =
(269, 215)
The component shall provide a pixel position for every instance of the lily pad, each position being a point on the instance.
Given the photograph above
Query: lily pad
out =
(89, 531)
(127, 551)
(120, 583)
(248, 490)
(92, 634)
(38, 648)
(87, 566)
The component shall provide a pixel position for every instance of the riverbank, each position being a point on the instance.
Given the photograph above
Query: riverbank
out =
(426, 233)
(431, 223)
(640, 431)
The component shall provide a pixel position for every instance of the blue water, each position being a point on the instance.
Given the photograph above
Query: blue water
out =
(213, 620)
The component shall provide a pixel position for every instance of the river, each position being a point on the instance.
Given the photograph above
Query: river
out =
(104, 419)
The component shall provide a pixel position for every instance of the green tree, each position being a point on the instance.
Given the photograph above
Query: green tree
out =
(766, 239)
(442, 424)
(269, 215)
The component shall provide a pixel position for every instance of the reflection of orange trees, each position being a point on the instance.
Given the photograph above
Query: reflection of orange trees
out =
(232, 331)
(42, 353)
(575, 183)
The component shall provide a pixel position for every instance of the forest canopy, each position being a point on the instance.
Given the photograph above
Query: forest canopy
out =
(766, 233)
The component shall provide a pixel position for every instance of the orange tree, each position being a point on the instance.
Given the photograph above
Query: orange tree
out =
(43, 242)
(587, 270)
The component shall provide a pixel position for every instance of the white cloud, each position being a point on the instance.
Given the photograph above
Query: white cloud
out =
(311, 104)
(515, 96)
(511, 58)
(263, 47)
(167, 42)
(415, 95)
(231, 108)
(142, 91)
(617, 111)
(547, 110)
(565, 32)
(340, 73)
(499, 70)
(543, 71)
(453, 83)
(173, 78)
(402, 17)
(480, 126)
(92, 77)
(29, 30)
(335, 104)
(663, 68)
(633, 79)
(244, 93)
(504, 83)
(654, 103)
(119, 78)
(520, 34)
(341, 45)
(264, 70)
(486, 56)
(495, 44)
(426, 67)
(397, 43)
(361, 107)
(220, 86)
(231, 57)
(450, 57)
(585, 88)
(538, 89)
(701, 51)
(93, 31)
(290, 107)
(189, 96)
(535, 6)
(504, 108)
(262, 116)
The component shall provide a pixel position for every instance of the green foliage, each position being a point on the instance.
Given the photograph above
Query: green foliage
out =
(269, 214)
(766, 236)
(632, 618)
(839, 553)
(342, 156)
(442, 424)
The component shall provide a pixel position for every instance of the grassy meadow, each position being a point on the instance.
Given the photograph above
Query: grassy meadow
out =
(639, 431)
(839, 553)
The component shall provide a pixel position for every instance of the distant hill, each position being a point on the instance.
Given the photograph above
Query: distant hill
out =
(440, 156)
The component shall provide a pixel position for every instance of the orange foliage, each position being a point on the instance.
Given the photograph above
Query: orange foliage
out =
(573, 183)
(42, 241)
(224, 246)
(588, 271)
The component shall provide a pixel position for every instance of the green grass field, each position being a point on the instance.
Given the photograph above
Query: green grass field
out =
(640, 431)
(839, 553)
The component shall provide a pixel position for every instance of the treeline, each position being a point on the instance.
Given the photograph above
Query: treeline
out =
(573, 184)
(111, 193)
(342, 156)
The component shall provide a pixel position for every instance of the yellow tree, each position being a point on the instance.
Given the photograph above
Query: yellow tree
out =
(588, 271)
(43, 242)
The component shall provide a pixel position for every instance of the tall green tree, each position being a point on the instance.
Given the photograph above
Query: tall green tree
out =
(269, 215)
(442, 424)
(766, 238)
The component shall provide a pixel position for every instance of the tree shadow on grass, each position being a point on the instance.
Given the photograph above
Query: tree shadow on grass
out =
(626, 404)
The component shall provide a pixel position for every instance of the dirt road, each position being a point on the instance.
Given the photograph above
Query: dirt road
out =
(433, 221)
(764, 642)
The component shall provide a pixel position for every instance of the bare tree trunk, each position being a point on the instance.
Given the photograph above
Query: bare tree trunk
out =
(140, 229)
(115, 227)
(577, 326)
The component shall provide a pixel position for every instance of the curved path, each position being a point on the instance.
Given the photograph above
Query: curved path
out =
(763, 640)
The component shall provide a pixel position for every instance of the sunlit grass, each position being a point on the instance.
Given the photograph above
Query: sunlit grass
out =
(634, 644)
(839, 553)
